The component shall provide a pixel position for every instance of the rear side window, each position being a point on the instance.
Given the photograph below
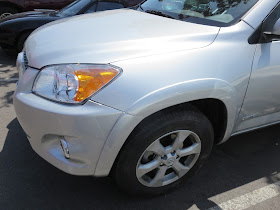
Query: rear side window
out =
(102, 6)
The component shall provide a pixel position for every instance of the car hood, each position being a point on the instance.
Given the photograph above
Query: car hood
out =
(110, 36)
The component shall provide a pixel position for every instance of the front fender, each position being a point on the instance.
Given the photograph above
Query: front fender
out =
(161, 99)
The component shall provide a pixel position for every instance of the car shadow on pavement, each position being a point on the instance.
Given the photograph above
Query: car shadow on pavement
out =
(27, 181)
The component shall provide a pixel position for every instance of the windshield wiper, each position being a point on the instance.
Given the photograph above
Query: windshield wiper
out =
(159, 13)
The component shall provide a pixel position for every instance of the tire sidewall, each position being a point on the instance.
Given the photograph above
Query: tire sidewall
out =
(195, 122)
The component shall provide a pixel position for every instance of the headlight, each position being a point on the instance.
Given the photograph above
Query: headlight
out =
(73, 83)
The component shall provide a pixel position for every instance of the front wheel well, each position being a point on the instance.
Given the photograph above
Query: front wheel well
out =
(214, 109)
(216, 112)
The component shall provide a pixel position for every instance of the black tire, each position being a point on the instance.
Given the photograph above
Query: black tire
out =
(21, 40)
(148, 131)
(8, 10)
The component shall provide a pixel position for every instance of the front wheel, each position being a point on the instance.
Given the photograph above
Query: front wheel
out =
(163, 151)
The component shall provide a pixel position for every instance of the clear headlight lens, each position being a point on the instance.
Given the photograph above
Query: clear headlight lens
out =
(73, 83)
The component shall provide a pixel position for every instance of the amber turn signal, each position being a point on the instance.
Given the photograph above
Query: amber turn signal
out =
(91, 80)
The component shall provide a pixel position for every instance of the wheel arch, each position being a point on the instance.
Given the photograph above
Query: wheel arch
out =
(212, 97)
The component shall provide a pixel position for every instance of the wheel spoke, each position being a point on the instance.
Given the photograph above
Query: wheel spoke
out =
(169, 153)
(158, 180)
(181, 136)
(180, 168)
(157, 148)
(146, 168)
(193, 149)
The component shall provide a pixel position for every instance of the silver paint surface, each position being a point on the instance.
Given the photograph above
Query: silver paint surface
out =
(165, 62)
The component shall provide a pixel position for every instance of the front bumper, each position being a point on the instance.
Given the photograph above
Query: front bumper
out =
(85, 128)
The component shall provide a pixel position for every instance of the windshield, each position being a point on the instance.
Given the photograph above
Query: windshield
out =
(213, 12)
(74, 8)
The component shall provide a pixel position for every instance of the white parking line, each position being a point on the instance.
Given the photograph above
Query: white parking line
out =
(250, 199)
(8, 79)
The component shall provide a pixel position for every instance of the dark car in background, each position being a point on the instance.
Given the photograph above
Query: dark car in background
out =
(15, 29)
(8, 7)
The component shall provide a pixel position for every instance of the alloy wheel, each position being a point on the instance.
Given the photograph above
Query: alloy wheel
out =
(168, 158)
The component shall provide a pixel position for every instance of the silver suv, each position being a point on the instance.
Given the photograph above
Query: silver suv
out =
(144, 94)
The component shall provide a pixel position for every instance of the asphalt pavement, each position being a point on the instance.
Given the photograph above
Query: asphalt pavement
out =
(242, 173)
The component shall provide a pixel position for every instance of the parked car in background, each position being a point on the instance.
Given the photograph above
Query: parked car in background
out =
(8, 7)
(15, 29)
(144, 94)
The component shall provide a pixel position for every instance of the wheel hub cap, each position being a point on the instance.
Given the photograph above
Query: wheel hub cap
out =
(168, 158)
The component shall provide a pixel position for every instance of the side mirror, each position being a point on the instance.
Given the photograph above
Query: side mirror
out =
(275, 34)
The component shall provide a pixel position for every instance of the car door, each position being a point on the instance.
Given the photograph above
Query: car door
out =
(262, 101)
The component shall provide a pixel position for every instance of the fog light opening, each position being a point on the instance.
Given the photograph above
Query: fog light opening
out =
(64, 148)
